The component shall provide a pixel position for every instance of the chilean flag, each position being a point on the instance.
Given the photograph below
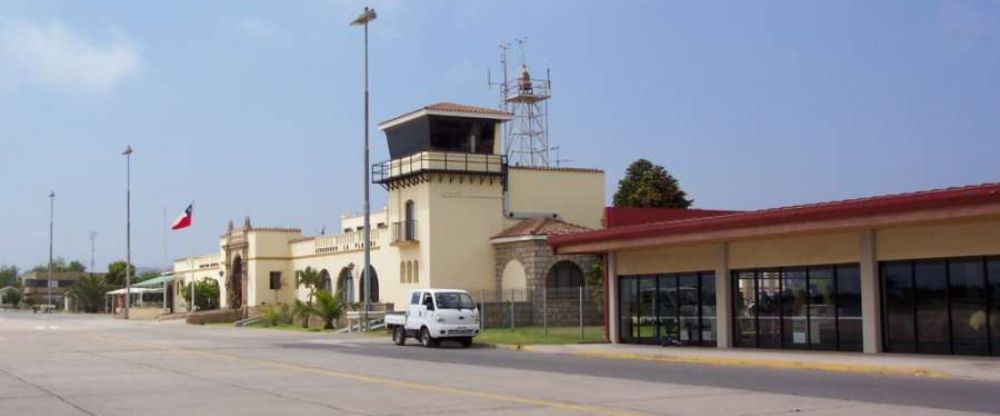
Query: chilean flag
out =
(184, 220)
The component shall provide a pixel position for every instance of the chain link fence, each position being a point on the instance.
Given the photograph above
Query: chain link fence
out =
(544, 308)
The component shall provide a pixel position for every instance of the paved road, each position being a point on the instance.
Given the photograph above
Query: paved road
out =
(80, 365)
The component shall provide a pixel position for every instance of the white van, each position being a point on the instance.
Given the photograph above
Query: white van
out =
(434, 315)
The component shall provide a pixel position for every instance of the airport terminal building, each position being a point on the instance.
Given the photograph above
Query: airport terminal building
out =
(908, 273)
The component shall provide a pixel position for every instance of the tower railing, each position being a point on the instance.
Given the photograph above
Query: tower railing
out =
(438, 162)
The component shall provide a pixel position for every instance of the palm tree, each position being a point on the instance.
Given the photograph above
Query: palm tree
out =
(302, 311)
(328, 306)
(89, 292)
(310, 278)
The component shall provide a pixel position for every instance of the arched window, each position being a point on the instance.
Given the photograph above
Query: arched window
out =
(325, 282)
(402, 272)
(410, 231)
(416, 271)
(564, 274)
(409, 272)
(374, 292)
(345, 284)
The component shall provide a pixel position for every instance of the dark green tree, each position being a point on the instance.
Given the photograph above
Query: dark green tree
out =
(8, 275)
(59, 265)
(647, 185)
(89, 293)
(206, 294)
(13, 296)
(116, 274)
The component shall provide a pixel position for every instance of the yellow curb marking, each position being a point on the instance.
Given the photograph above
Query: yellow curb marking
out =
(770, 363)
(582, 408)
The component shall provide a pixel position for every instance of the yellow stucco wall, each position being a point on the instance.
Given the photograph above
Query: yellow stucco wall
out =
(972, 238)
(463, 217)
(700, 257)
(576, 195)
(802, 250)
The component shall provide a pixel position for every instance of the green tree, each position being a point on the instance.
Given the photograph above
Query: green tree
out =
(328, 307)
(59, 265)
(302, 310)
(647, 185)
(8, 275)
(116, 274)
(310, 278)
(89, 293)
(13, 296)
(206, 294)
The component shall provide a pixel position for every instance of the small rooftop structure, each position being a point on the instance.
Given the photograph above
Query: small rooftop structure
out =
(539, 228)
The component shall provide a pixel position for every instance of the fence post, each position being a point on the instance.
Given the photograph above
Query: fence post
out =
(581, 313)
(545, 310)
(512, 309)
(482, 311)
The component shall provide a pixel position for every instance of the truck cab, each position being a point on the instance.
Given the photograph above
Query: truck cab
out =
(435, 315)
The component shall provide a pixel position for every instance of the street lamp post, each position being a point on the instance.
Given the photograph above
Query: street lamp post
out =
(362, 20)
(128, 227)
(52, 211)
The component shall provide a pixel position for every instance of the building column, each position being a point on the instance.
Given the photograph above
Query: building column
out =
(723, 297)
(871, 296)
(612, 294)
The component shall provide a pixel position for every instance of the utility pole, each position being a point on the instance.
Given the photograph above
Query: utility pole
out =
(367, 16)
(128, 227)
(52, 211)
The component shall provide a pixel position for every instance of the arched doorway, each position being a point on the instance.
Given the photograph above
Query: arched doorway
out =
(345, 284)
(325, 283)
(563, 275)
(236, 283)
(374, 280)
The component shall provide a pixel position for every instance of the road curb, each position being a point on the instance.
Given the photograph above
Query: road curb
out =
(773, 363)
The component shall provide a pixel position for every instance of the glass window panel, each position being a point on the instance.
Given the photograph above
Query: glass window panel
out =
(768, 306)
(931, 290)
(666, 305)
(744, 312)
(687, 297)
(897, 286)
(967, 293)
(993, 275)
(822, 309)
(628, 307)
(708, 334)
(849, 307)
(647, 310)
(794, 301)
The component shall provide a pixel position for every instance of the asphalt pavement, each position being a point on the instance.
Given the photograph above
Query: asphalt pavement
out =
(92, 365)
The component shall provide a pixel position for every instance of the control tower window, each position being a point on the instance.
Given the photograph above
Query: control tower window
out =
(462, 135)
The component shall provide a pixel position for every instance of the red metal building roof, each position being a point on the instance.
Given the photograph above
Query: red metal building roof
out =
(825, 211)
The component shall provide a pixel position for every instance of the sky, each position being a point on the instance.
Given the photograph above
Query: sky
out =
(254, 108)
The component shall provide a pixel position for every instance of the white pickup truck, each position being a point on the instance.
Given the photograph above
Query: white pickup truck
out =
(434, 315)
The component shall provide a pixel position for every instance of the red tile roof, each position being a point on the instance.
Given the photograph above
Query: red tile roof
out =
(541, 227)
(984, 194)
(462, 108)
(452, 108)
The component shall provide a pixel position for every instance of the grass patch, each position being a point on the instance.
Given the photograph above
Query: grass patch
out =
(537, 335)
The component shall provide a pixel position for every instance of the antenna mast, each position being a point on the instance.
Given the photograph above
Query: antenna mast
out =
(525, 137)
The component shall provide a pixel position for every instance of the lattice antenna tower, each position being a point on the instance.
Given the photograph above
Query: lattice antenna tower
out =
(525, 137)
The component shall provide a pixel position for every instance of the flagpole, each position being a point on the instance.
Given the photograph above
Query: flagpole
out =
(193, 251)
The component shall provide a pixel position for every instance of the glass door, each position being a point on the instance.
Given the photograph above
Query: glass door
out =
(688, 308)
(646, 332)
(666, 305)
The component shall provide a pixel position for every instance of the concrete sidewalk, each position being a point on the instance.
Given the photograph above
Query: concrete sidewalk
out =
(969, 368)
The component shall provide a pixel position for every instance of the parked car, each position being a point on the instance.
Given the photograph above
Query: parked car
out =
(435, 315)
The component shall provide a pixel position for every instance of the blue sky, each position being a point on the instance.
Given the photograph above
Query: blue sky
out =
(254, 108)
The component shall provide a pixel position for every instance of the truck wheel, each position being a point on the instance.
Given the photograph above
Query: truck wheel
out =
(466, 342)
(399, 336)
(425, 338)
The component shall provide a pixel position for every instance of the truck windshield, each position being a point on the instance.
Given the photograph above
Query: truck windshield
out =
(454, 300)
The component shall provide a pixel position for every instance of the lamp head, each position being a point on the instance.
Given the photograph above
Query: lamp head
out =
(128, 151)
(365, 17)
